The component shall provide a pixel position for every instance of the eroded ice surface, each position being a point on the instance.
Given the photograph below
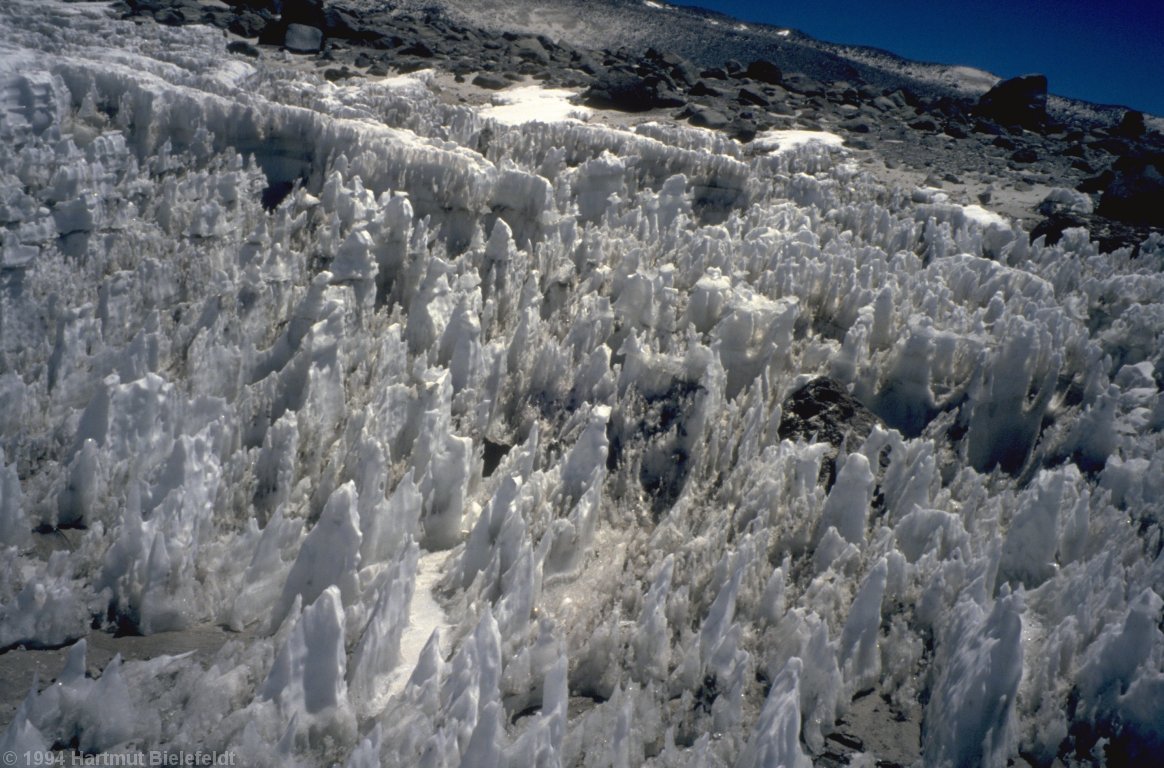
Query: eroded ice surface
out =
(260, 333)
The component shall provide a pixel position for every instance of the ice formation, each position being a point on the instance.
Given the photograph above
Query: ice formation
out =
(282, 352)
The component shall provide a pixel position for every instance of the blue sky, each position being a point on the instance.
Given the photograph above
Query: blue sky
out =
(1107, 52)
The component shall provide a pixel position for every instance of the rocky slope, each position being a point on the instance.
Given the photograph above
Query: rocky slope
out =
(1009, 147)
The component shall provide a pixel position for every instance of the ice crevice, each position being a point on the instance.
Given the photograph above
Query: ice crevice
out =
(470, 432)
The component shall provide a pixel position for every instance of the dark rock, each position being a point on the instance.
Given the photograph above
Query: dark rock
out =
(798, 82)
(1135, 194)
(625, 91)
(714, 73)
(780, 108)
(706, 117)
(584, 62)
(677, 69)
(752, 96)
(683, 71)
(988, 127)
(1003, 142)
(842, 92)
(1053, 226)
(490, 81)
(306, 12)
(764, 71)
(956, 130)
(170, 17)
(384, 41)
(273, 33)
(703, 88)
(530, 49)
(905, 97)
(335, 74)
(1131, 125)
(666, 98)
(824, 411)
(248, 24)
(216, 16)
(265, 7)
(242, 48)
(1018, 101)
(1024, 155)
(733, 68)
(419, 49)
(857, 125)
(924, 124)
(743, 130)
(1113, 146)
(301, 38)
(410, 65)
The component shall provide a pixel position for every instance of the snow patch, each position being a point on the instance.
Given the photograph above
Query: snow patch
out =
(534, 104)
(779, 141)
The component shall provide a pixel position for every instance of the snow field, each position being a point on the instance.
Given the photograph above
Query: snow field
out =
(274, 417)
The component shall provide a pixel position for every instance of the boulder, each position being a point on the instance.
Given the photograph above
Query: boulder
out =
(301, 38)
(530, 49)
(824, 411)
(248, 24)
(1025, 155)
(1020, 101)
(624, 91)
(857, 125)
(706, 117)
(1131, 125)
(243, 48)
(490, 81)
(420, 49)
(764, 71)
(743, 130)
(1135, 192)
(798, 82)
(680, 71)
(1053, 227)
(752, 96)
(705, 88)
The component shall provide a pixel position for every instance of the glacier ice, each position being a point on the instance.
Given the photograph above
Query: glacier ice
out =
(474, 445)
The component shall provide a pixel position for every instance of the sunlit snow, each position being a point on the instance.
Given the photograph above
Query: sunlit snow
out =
(333, 366)
(790, 139)
(534, 104)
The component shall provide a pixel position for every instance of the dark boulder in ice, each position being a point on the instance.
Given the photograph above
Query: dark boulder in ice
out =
(824, 411)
